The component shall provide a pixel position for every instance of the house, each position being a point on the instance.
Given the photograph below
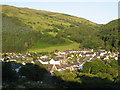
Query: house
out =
(28, 58)
(86, 51)
(43, 61)
(60, 53)
(80, 55)
(51, 68)
(11, 60)
(65, 67)
(70, 67)
(83, 55)
(80, 67)
(63, 60)
(98, 57)
(107, 57)
(32, 62)
(20, 56)
(91, 57)
(56, 62)
(114, 55)
(89, 54)
(101, 52)
(72, 55)
(72, 51)
(43, 57)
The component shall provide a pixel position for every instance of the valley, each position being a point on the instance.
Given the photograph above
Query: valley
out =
(44, 49)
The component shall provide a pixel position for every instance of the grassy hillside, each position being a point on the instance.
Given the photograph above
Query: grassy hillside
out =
(52, 48)
(17, 37)
(32, 30)
(25, 28)
(44, 20)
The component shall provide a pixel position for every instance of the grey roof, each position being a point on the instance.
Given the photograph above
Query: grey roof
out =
(58, 58)
(101, 51)
(67, 65)
(44, 60)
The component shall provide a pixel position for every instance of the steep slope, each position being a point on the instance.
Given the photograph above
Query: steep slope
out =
(37, 30)
(109, 34)
(16, 37)
(25, 28)
(105, 36)
(44, 20)
(85, 35)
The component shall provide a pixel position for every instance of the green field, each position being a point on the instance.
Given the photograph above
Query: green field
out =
(73, 45)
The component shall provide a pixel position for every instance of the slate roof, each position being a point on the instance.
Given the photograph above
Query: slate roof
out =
(67, 65)
(44, 60)
(58, 58)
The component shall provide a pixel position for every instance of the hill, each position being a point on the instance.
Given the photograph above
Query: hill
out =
(109, 34)
(102, 37)
(27, 29)
(44, 20)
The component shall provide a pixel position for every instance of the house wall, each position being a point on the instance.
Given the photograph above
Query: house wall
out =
(52, 61)
(43, 62)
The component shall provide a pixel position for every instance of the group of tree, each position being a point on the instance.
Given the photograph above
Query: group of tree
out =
(96, 37)
(109, 33)
(96, 74)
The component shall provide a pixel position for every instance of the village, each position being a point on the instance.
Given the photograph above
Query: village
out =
(59, 60)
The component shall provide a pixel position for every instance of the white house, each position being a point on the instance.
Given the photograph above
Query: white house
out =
(91, 58)
(72, 55)
(80, 67)
(98, 57)
(109, 52)
(32, 62)
(107, 57)
(52, 61)
(80, 55)
(43, 61)
(94, 54)
(102, 52)
(60, 53)
(43, 57)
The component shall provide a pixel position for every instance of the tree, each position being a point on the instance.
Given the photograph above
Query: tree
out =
(8, 74)
(32, 72)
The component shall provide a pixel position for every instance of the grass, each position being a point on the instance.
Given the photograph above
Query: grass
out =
(63, 47)
(52, 33)
(42, 20)
(41, 45)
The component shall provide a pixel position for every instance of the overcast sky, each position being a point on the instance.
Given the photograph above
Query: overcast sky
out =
(96, 11)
